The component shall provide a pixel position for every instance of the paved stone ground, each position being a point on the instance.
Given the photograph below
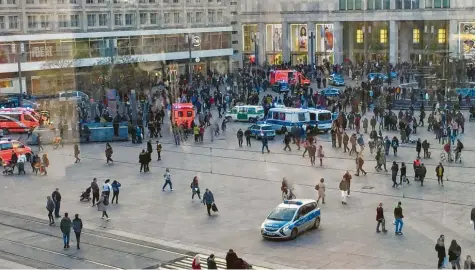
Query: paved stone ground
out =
(246, 187)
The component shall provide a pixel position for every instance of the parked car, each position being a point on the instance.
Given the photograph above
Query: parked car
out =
(336, 80)
(260, 130)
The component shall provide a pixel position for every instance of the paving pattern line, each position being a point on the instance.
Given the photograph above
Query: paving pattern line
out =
(186, 263)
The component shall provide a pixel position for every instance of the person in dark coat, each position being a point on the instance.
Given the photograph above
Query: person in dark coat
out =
(56, 196)
(50, 207)
(65, 227)
(394, 174)
(211, 264)
(380, 218)
(231, 260)
(77, 227)
(143, 160)
(472, 217)
(422, 173)
(418, 147)
(454, 254)
(440, 250)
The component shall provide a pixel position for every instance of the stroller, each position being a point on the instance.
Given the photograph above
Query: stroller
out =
(8, 168)
(86, 195)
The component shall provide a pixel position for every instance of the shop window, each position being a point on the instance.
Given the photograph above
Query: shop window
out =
(360, 36)
(370, 4)
(386, 4)
(350, 4)
(446, 3)
(437, 4)
(416, 35)
(378, 4)
(342, 4)
(358, 4)
(383, 36)
(441, 36)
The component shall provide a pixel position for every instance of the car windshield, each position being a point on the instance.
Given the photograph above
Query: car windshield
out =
(267, 128)
(282, 214)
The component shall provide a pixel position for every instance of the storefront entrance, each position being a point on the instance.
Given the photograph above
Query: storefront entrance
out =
(274, 59)
(299, 59)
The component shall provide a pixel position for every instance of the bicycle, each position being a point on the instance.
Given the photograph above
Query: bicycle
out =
(285, 195)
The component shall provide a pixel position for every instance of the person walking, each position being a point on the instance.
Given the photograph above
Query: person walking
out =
(65, 227)
(143, 161)
(239, 135)
(208, 200)
(95, 190)
(264, 143)
(394, 174)
(440, 251)
(353, 144)
(102, 205)
(195, 188)
(109, 152)
(311, 150)
(159, 150)
(454, 254)
(440, 170)
(320, 154)
(77, 227)
(360, 163)
(468, 263)
(196, 262)
(76, 153)
(211, 264)
(345, 141)
(403, 174)
(115, 191)
(168, 180)
(422, 173)
(45, 163)
(56, 196)
(343, 191)
(287, 141)
(398, 214)
(380, 218)
(106, 188)
(248, 137)
(50, 207)
(321, 191)
(395, 145)
(418, 147)
(347, 177)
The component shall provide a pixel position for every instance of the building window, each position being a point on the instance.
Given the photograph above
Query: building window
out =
(358, 4)
(350, 4)
(175, 1)
(441, 36)
(167, 18)
(360, 36)
(219, 16)
(378, 4)
(91, 20)
(30, 2)
(45, 21)
(437, 3)
(11, 2)
(370, 4)
(2, 22)
(62, 21)
(13, 22)
(198, 17)
(386, 4)
(211, 14)
(129, 19)
(383, 36)
(74, 20)
(44, 2)
(153, 18)
(190, 17)
(143, 18)
(446, 3)
(102, 19)
(176, 18)
(32, 23)
(407, 4)
(118, 19)
(416, 35)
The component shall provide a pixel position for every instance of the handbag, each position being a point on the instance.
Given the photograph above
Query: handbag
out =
(214, 207)
(316, 187)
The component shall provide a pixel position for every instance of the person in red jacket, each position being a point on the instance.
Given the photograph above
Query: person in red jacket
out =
(380, 218)
(196, 262)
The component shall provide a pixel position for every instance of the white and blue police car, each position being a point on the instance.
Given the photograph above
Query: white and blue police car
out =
(290, 218)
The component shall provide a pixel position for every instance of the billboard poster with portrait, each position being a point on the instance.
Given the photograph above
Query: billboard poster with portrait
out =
(274, 42)
(299, 37)
(325, 38)
(466, 39)
(249, 31)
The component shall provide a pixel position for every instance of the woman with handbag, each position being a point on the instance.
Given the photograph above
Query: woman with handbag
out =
(195, 188)
(321, 191)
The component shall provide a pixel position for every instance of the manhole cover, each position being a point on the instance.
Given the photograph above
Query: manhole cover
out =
(367, 187)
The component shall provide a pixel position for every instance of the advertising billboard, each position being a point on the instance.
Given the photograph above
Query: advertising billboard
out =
(325, 38)
(299, 37)
(274, 33)
(466, 39)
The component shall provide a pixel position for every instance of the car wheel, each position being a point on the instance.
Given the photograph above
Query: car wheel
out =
(294, 233)
(5, 131)
(317, 222)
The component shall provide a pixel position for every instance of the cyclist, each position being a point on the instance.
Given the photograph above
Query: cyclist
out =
(286, 189)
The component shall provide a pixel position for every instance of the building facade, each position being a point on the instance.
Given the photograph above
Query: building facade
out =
(76, 35)
(389, 30)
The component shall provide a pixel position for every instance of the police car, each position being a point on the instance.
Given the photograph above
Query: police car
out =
(260, 130)
(290, 218)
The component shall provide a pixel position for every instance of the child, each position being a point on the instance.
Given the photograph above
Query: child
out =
(159, 149)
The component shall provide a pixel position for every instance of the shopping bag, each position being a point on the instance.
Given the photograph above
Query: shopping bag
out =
(214, 207)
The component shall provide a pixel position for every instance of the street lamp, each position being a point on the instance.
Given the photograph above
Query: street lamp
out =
(195, 42)
(255, 39)
(312, 38)
(19, 58)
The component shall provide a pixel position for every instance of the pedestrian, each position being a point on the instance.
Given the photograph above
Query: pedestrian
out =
(441, 251)
(365, 124)
(142, 160)
(426, 146)
(95, 190)
(439, 173)
(468, 263)
(347, 177)
(109, 152)
(195, 188)
(454, 254)
(159, 150)
(56, 196)
(422, 173)
(311, 149)
(403, 174)
(472, 218)
(102, 205)
(149, 147)
(196, 262)
(395, 145)
(248, 137)
(361, 143)
(231, 260)
(343, 190)
(38, 142)
(239, 135)
(321, 191)
(106, 187)
(168, 180)
(418, 147)
(264, 142)
(345, 141)
(50, 207)
(65, 227)
(398, 214)
(45, 164)
(76, 153)
(380, 218)
(287, 141)
(320, 154)
(115, 191)
(77, 227)
(208, 200)
(394, 174)
(211, 264)
(353, 143)
(360, 163)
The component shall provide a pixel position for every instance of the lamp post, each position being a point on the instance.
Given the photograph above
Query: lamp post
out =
(312, 38)
(19, 58)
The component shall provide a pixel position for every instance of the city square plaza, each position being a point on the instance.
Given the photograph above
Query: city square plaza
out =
(246, 187)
